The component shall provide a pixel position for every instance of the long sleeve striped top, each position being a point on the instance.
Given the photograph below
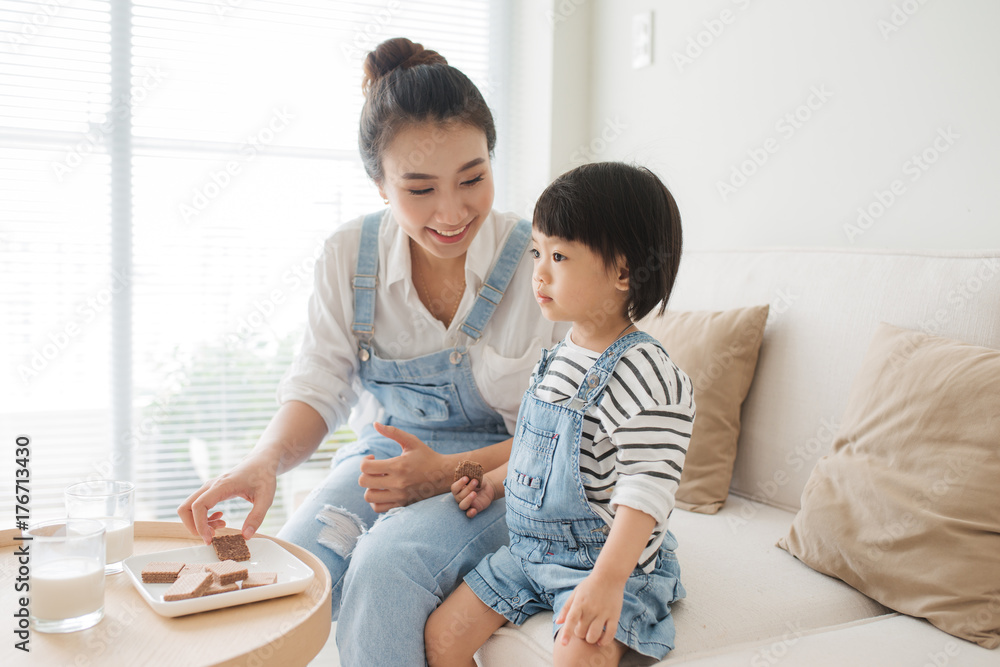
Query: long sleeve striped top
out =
(635, 438)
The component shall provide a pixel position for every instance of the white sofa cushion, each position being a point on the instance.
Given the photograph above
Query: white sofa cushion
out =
(825, 306)
(741, 588)
(879, 642)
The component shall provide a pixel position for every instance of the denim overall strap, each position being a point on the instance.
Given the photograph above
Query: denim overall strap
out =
(365, 280)
(433, 396)
(495, 285)
(543, 366)
(600, 373)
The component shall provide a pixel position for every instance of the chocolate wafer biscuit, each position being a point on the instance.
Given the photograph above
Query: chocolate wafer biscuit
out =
(161, 572)
(231, 547)
(227, 572)
(469, 469)
(215, 587)
(256, 579)
(189, 586)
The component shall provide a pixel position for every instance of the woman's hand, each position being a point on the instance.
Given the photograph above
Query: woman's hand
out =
(417, 473)
(254, 480)
(292, 435)
(473, 498)
(592, 610)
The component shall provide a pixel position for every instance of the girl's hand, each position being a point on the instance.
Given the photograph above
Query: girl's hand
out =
(254, 480)
(473, 498)
(417, 473)
(592, 610)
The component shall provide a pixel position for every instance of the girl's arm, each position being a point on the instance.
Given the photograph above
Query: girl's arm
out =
(419, 472)
(630, 533)
(592, 610)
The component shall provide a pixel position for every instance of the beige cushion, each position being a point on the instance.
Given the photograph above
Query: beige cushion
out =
(906, 508)
(718, 350)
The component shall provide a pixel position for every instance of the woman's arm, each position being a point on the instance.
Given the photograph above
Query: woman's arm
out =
(419, 472)
(291, 437)
(315, 395)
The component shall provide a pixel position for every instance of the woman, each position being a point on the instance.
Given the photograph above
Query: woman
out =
(424, 322)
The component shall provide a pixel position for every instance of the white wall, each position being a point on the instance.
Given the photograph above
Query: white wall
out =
(881, 93)
(523, 148)
(547, 93)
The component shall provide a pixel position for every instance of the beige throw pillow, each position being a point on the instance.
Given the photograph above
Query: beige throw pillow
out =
(718, 351)
(906, 508)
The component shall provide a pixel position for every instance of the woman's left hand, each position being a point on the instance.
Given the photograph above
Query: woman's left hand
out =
(417, 473)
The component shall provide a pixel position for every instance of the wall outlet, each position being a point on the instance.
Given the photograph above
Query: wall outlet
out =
(642, 40)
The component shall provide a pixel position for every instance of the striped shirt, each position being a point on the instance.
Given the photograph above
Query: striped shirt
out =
(635, 437)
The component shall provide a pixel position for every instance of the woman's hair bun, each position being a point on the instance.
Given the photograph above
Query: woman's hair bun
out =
(396, 53)
(399, 93)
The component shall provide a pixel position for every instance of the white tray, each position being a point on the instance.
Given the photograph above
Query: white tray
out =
(265, 556)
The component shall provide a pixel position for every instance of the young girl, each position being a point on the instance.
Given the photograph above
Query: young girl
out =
(600, 441)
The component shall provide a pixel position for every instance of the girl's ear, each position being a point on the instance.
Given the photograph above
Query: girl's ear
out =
(381, 192)
(622, 278)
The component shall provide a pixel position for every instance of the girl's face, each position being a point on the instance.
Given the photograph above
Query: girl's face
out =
(439, 182)
(572, 284)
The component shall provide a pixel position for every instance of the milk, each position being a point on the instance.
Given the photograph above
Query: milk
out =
(118, 539)
(66, 589)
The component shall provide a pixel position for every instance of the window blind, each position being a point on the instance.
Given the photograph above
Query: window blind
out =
(159, 230)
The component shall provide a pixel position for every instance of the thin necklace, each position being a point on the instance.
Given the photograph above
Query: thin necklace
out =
(427, 298)
(630, 325)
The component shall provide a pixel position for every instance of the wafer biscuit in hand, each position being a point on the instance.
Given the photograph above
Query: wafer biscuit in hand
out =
(469, 469)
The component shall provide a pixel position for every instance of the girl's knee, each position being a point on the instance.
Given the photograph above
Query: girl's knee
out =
(579, 653)
(436, 644)
(441, 643)
(458, 627)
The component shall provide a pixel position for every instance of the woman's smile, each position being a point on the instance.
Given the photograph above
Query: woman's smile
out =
(450, 236)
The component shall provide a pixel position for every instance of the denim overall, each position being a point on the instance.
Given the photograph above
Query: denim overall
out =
(387, 581)
(555, 536)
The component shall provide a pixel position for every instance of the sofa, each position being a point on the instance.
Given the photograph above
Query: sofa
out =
(751, 602)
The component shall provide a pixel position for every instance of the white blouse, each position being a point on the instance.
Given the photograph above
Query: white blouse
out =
(324, 374)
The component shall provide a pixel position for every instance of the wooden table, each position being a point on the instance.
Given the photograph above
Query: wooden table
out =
(286, 631)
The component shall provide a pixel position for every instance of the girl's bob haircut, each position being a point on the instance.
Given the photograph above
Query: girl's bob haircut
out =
(619, 211)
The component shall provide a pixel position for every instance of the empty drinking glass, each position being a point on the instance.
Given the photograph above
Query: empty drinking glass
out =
(112, 503)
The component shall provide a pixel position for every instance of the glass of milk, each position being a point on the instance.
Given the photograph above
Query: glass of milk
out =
(67, 574)
(113, 504)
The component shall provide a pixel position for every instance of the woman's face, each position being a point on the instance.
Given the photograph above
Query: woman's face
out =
(439, 182)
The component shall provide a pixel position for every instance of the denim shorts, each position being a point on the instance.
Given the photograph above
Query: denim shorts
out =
(518, 588)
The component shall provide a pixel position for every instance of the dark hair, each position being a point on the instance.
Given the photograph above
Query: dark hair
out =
(405, 84)
(619, 211)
